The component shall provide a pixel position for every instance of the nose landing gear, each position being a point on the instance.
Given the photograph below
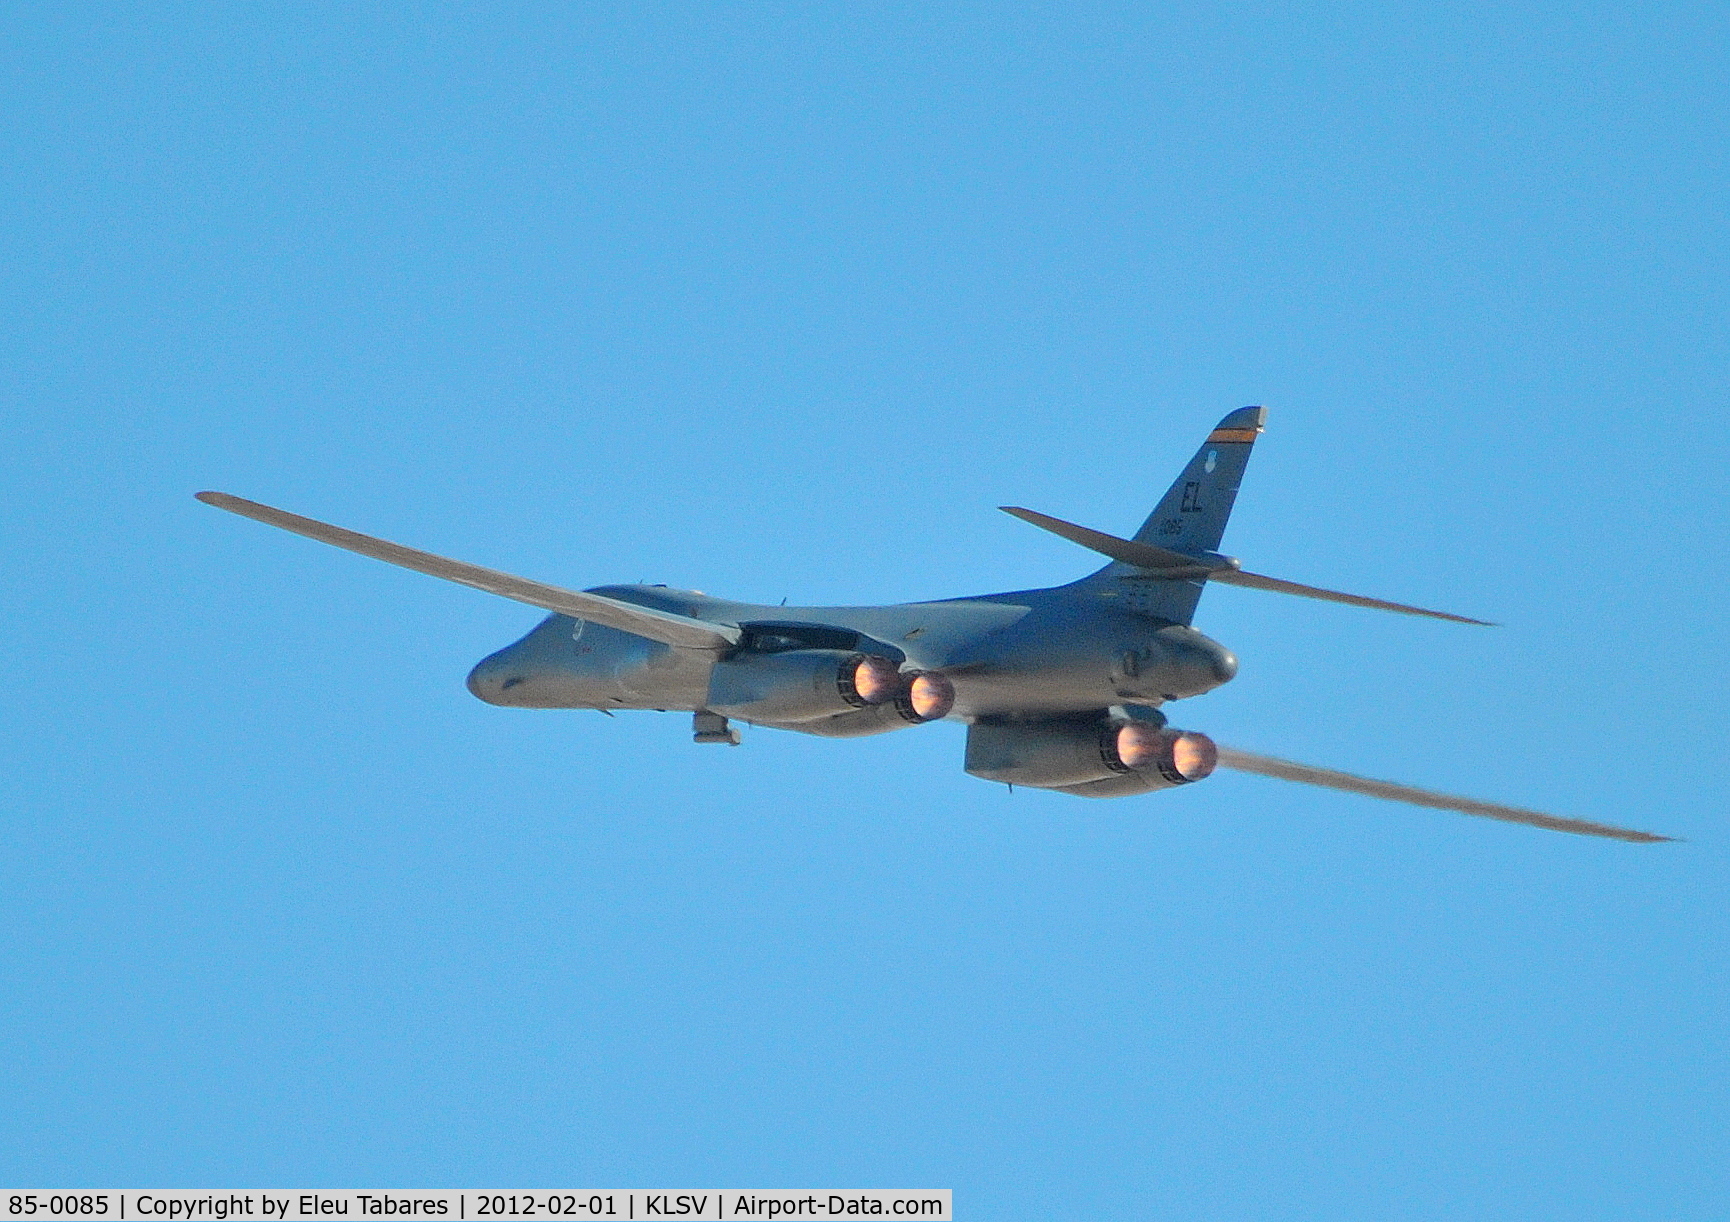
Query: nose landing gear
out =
(712, 728)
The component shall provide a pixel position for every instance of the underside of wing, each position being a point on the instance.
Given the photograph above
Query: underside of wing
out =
(1305, 774)
(661, 626)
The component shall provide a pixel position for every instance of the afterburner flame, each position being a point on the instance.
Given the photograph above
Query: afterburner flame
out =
(876, 680)
(1180, 756)
(1193, 756)
(1139, 744)
(930, 696)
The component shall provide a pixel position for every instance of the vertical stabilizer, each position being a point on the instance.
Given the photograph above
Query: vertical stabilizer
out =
(1191, 518)
(1192, 515)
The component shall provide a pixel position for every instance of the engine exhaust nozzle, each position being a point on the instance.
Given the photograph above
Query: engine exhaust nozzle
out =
(1180, 756)
(928, 696)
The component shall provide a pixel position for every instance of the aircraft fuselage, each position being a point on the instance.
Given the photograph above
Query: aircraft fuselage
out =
(1029, 652)
(1060, 687)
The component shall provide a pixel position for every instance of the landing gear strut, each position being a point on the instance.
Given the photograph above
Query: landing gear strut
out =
(712, 728)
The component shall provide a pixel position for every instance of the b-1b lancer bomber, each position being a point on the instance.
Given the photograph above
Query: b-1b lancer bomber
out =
(1062, 688)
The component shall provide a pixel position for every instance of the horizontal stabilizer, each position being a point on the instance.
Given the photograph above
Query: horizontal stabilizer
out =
(1177, 566)
(1142, 555)
(661, 626)
(1286, 770)
(1256, 581)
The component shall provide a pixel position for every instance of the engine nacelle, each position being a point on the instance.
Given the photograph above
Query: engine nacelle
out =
(1177, 757)
(801, 685)
(921, 697)
(1089, 756)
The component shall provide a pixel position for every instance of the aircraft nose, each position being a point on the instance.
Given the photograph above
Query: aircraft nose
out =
(487, 679)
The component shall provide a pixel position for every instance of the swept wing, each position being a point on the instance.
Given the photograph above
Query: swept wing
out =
(1306, 774)
(662, 626)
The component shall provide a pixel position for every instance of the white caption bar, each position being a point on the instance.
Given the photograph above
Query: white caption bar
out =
(472, 1205)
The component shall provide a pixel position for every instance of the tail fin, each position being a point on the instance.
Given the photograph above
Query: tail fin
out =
(1162, 570)
(1191, 517)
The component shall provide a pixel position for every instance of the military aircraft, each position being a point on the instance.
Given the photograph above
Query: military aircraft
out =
(1060, 688)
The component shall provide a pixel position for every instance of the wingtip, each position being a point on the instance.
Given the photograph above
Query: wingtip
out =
(228, 501)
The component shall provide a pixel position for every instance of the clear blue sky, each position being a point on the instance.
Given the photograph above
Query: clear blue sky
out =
(783, 300)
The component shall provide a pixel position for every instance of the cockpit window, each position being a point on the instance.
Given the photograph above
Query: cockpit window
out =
(778, 638)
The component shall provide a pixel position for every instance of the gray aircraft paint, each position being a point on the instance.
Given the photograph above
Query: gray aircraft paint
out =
(1061, 687)
(1029, 652)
